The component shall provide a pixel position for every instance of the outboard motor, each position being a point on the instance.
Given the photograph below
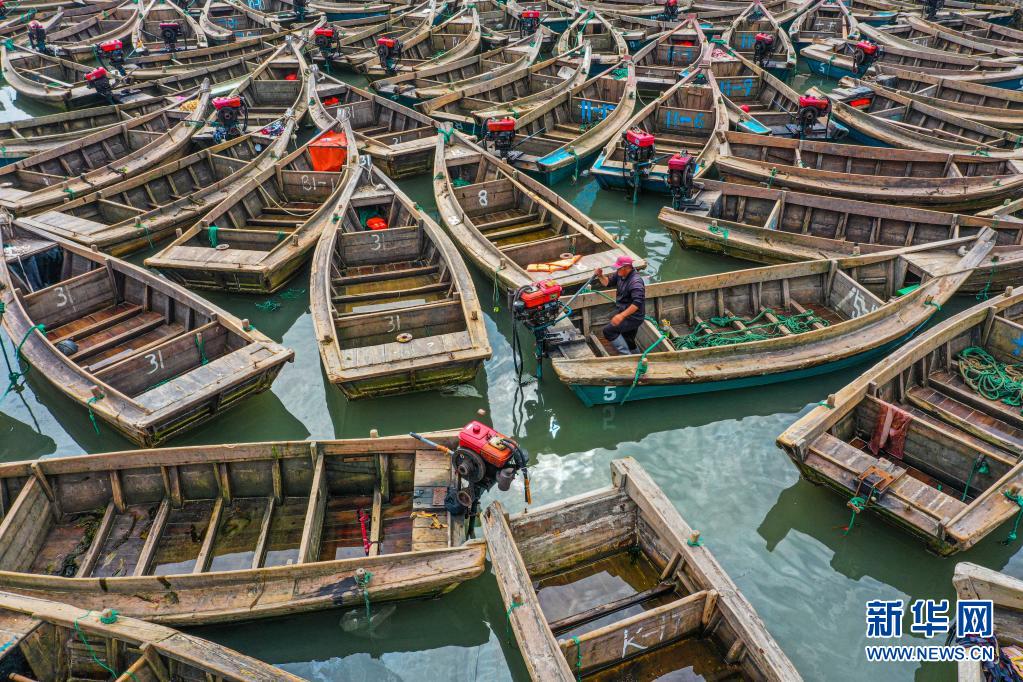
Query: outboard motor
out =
(389, 51)
(483, 457)
(670, 10)
(763, 45)
(112, 51)
(810, 109)
(232, 117)
(932, 7)
(866, 53)
(681, 180)
(326, 40)
(638, 148)
(170, 33)
(37, 36)
(529, 22)
(501, 131)
(99, 80)
(301, 7)
(3, 9)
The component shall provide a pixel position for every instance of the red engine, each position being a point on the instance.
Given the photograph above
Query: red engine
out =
(819, 103)
(763, 44)
(867, 47)
(529, 21)
(640, 138)
(325, 31)
(389, 43)
(486, 442)
(96, 74)
(389, 51)
(540, 294)
(764, 38)
(170, 32)
(99, 80)
(639, 146)
(232, 117)
(225, 102)
(501, 125)
(679, 161)
(501, 131)
(670, 9)
(324, 37)
(109, 46)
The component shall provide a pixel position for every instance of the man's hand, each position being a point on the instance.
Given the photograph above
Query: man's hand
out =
(599, 272)
(617, 320)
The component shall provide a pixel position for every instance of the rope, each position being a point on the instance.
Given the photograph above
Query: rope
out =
(497, 293)
(984, 293)
(201, 345)
(211, 234)
(92, 417)
(720, 231)
(858, 504)
(145, 230)
(980, 465)
(514, 605)
(578, 658)
(92, 652)
(363, 584)
(704, 336)
(13, 375)
(1015, 524)
(990, 378)
(575, 172)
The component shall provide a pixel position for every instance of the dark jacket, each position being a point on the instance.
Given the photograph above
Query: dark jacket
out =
(630, 291)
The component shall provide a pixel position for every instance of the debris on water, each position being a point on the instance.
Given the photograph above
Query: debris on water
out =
(555, 426)
(356, 623)
(461, 391)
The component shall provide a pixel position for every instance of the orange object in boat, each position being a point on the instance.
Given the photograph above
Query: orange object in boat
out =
(291, 77)
(329, 152)
(376, 223)
(553, 266)
(331, 101)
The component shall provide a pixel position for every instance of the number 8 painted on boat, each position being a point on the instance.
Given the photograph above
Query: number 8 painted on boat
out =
(483, 197)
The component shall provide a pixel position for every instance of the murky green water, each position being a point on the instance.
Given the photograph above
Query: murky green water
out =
(714, 456)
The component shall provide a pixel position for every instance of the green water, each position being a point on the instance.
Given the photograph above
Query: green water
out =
(780, 538)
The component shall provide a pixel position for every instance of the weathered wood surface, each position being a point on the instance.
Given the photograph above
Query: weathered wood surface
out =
(977, 582)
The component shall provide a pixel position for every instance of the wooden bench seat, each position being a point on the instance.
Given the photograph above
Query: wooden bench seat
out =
(967, 418)
(118, 333)
(97, 360)
(384, 271)
(504, 218)
(951, 384)
(94, 322)
(430, 482)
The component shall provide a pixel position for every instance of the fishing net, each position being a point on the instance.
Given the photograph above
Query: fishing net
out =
(714, 332)
(992, 379)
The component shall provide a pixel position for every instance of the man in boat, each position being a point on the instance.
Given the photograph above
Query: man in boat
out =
(630, 303)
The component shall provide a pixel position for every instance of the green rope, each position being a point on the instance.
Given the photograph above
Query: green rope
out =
(698, 542)
(12, 375)
(858, 504)
(575, 171)
(1015, 525)
(363, 584)
(979, 466)
(446, 133)
(139, 225)
(109, 620)
(578, 658)
(705, 336)
(92, 417)
(269, 306)
(770, 180)
(720, 231)
(642, 366)
(497, 293)
(933, 304)
(460, 182)
(992, 379)
(514, 605)
(201, 346)
(824, 403)
(92, 652)
(620, 74)
(984, 293)
(211, 234)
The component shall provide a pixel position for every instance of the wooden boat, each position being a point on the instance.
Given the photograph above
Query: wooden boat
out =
(501, 21)
(761, 326)
(78, 40)
(145, 209)
(449, 41)
(825, 19)
(505, 221)
(659, 62)
(34, 628)
(689, 118)
(44, 78)
(427, 82)
(760, 103)
(638, 597)
(279, 524)
(354, 13)
(555, 16)
(766, 225)
(100, 159)
(256, 238)
(886, 117)
(976, 582)
(918, 32)
(223, 21)
(359, 46)
(513, 92)
(778, 57)
(948, 475)
(144, 356)
(151, 32)
(949, 182)
(985, 31)
(400, 140)
(561, 137)
(837, 59)
(162, 64)
(995, 107)
(393, 304)
(607, 44)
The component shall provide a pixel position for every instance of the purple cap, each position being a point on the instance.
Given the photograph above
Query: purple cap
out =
(622, 261)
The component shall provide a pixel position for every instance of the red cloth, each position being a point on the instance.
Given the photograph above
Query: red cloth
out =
(891, 428)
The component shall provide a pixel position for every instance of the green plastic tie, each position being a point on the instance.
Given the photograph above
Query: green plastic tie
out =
(92, 416)
(92, 652)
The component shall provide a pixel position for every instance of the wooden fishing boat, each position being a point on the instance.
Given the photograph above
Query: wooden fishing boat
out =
(914, 31)
(400, 140)
(450, 41)
(759, 37)
(100, 159)
(688, 119)
(47, 640)
(256, 238)
(78, 40)
(427, 82)
(766, 225)
(889, 118)
(949, 469)
(354, 13)
(760, 103)
(501, 22)
(51, 80)
(505, 221)
(976, 582)
(638, 596)
(659, 62)
(763, 325)
(995, 107)
(563, 136)
(825, 19)
(838, 59)
(162, 64)
(985, 31)
(155, 31)
(875, 12)
(393, 304)
(145, 209)
(359, 46)
(554, 16)
(280, 518)
(607, 44)
(949, 182)
(144, 356)
(223, 21)
(513, 92)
